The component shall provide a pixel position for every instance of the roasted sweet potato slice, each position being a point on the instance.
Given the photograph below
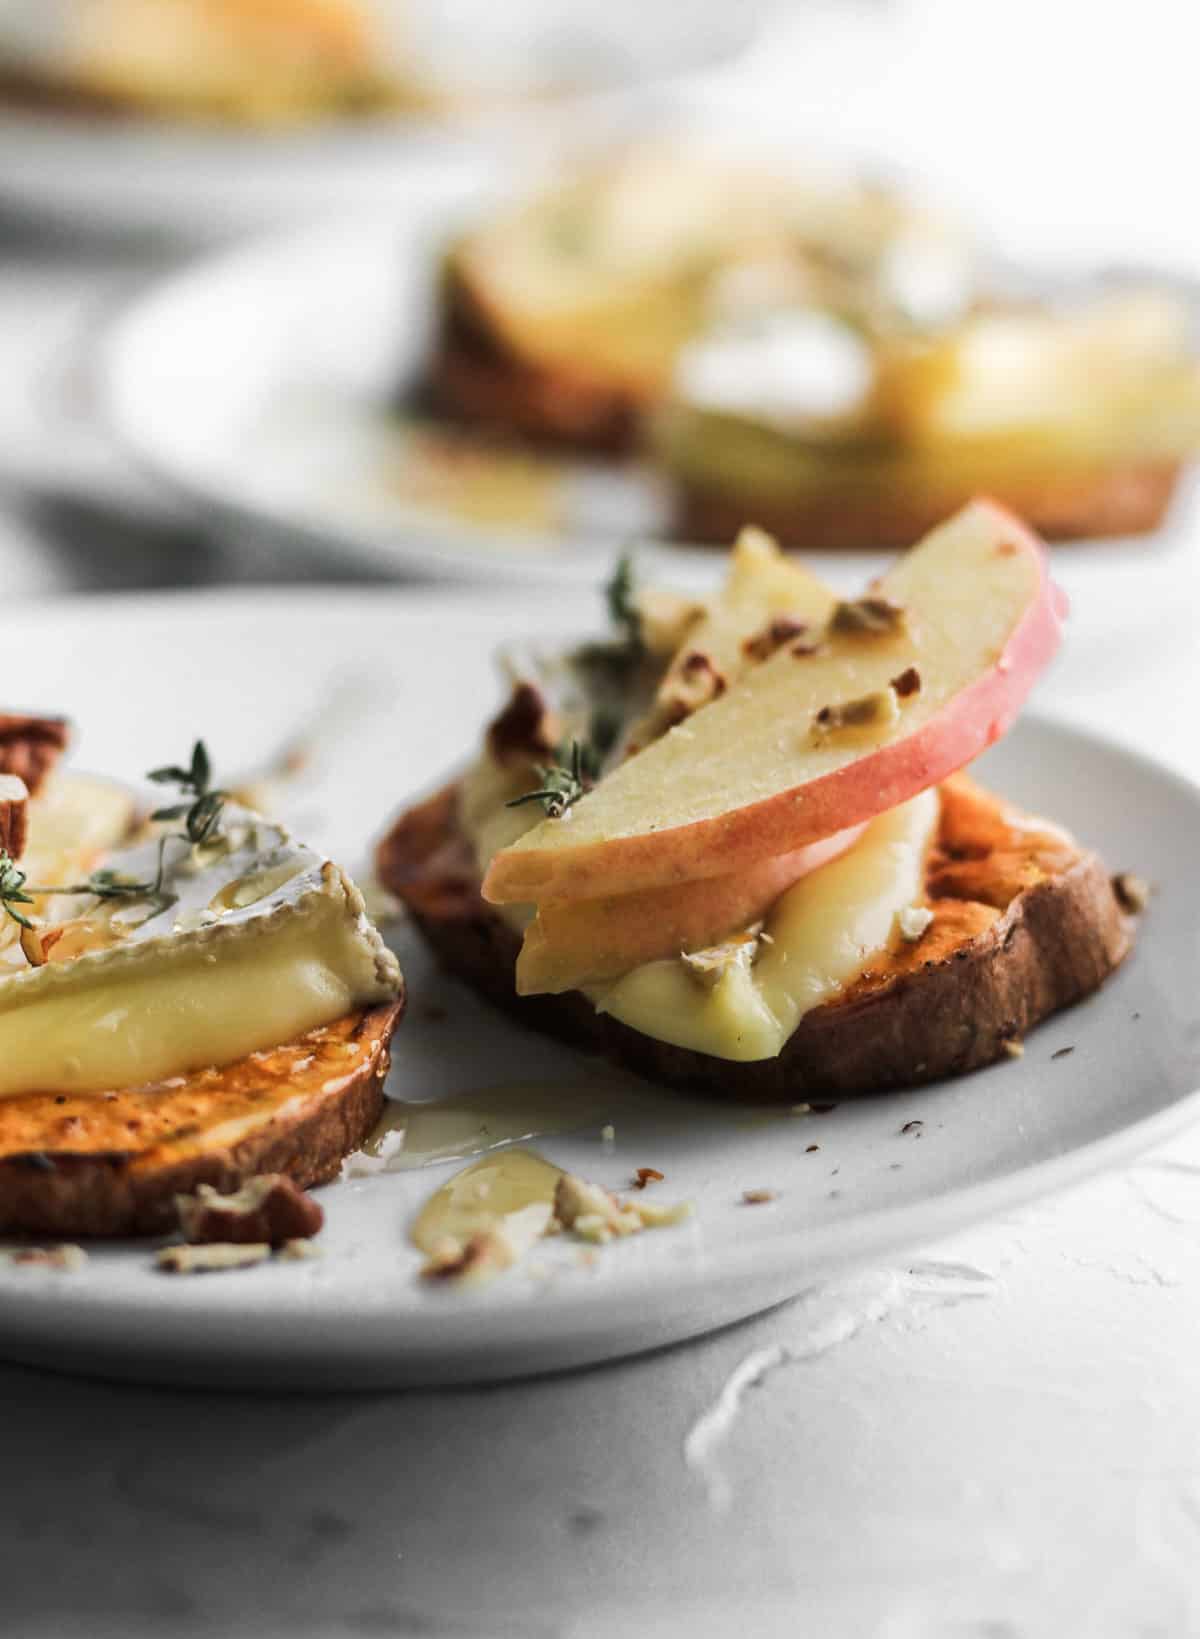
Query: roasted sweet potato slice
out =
(112, 1163)
(1025, 923)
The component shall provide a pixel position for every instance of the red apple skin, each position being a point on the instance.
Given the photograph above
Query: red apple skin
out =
(975, 718)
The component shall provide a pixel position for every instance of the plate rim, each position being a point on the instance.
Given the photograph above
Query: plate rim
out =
(874, 1233)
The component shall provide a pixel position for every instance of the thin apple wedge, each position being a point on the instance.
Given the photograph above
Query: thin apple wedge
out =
(905, 687)
(584, 941)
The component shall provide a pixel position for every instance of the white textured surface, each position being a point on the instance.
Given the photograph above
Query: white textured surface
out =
(1023, 1465)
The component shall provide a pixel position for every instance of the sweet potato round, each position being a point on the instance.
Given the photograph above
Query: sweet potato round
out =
(112, 1163)
(1019, 932)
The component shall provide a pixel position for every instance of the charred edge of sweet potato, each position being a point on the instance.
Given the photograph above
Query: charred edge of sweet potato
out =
(1120, 499)
(106, 1191)
(475, 375)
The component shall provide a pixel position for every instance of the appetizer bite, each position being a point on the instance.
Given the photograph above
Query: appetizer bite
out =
(828, 360)
(241, 61)
(865, 426)
(733, 848)
(563, 317)
(187, 1001)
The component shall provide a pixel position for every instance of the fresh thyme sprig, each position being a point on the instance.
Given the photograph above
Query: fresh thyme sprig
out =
(13, 890)
(619, 594)
(564, 781)
(201, 816)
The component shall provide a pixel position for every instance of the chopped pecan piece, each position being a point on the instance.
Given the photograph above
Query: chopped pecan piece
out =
(773, 636)
(270, 1209)
(526, 729)
(14, 815)
(30, 746)
(204, 1260)
(907, 684)
(867, 617)
(597, 1216)
(869, 711)
(1133, 892)
(67, 1257)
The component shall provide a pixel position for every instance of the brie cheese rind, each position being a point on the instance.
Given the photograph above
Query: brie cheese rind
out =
(253, 941)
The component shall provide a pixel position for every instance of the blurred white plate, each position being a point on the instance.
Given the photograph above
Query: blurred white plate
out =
(142, 676)
(199, 182)
(259, 385)
(510, 76)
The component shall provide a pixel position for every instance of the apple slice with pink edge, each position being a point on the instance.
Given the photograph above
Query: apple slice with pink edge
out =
(820, 737)
(575, 942)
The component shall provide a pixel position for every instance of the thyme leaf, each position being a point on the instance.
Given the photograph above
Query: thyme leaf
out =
(201, 816)
(562, 782)
(13, 889)
(620, 595)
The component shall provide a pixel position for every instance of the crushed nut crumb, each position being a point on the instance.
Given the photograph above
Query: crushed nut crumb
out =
(67, 1257)
(1133, 892)
(867, 617)
(595, 1215)
(758, 1197)
(913, 922)
(907, 683)
(773, 636)
(870, 711)
(647, 1175)
(300, 1250)
(658, 1215)
(710, 966)
(201, 1260)
(269, 1208)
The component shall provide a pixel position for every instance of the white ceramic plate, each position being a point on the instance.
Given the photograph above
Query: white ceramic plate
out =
(410, 677)
(113, 176)
(259, 385)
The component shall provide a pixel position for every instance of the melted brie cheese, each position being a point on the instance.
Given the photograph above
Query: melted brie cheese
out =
(254, 941)
(818, 937)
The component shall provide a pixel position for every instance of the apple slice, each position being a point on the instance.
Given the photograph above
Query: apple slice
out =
(583, 941)
(810, 743)
(765, 601)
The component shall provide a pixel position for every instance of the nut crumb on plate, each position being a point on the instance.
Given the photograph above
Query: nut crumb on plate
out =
(214, 1255)
(1132, 891)
(67, 1257)
(269, 1208)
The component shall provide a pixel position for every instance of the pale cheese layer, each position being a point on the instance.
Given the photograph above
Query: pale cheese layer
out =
(261, 942)
(820, 935)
